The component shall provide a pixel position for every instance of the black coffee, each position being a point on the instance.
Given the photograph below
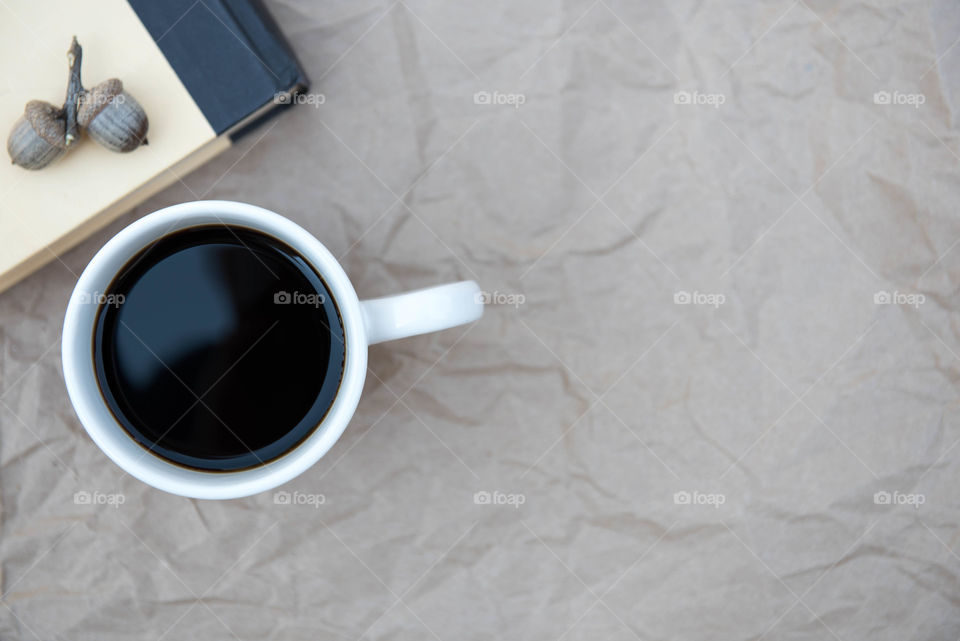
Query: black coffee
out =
(218, 348)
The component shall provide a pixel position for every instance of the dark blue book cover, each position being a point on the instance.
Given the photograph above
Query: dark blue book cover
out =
(229, 54)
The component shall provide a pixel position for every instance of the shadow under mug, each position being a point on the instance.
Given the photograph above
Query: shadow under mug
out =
(364, 323)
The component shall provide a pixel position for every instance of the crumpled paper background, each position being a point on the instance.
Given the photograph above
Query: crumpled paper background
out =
(774, 459)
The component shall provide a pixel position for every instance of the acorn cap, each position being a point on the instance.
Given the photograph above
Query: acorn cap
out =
(47, 121)
(96, 100)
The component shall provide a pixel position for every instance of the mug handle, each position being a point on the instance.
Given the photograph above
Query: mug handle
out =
(421, 311)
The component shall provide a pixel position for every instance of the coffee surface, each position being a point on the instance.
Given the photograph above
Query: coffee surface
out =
(218, 348)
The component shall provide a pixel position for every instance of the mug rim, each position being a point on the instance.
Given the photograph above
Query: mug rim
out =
(95, 415)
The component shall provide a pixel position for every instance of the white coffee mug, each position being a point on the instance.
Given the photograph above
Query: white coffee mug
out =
(364, 323)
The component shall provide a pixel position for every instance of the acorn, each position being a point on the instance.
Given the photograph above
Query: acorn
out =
(44, 132)
(113, 117)
(38, 137)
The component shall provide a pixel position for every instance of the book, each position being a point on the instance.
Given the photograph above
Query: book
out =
(206, 73)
